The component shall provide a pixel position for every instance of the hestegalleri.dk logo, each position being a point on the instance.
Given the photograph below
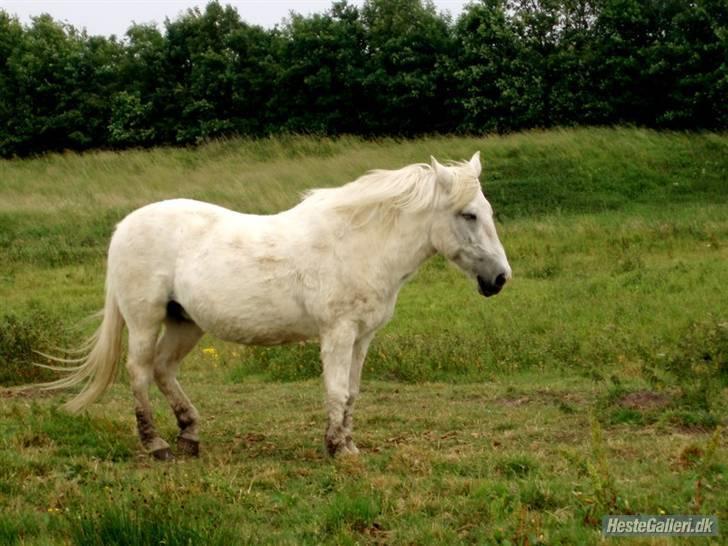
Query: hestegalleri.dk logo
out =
(622, 526)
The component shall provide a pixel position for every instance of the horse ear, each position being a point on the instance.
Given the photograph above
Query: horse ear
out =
(475, 163)
(443, 175)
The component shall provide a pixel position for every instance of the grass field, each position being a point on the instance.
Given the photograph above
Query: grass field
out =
(595, 383)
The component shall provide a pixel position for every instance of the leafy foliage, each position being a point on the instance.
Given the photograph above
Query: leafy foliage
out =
(394, 67)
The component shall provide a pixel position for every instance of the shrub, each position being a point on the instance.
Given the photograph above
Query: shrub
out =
(20, 336)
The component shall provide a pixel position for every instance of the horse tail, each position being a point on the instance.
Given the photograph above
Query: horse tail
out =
(98, 366)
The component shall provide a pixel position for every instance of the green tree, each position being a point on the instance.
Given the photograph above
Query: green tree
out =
(253, 71)
(408, 83)
(138, 110)
(570, 73)
(12, 127)
(689, 63)
(622, 32)
(58, 82)
(539, 25)
(488, 69)
(198, 59)
(322, 65)
(391, 67)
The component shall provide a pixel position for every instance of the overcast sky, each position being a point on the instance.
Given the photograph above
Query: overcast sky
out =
(115, 16)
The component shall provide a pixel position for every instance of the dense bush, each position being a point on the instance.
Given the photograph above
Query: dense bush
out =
(391, 67)
(20, 337)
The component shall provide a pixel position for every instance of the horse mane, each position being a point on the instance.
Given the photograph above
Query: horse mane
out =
(384, 193)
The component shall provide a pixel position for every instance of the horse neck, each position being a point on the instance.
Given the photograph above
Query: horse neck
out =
(397, 250)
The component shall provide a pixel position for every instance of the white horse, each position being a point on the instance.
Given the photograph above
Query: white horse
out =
(328, 269)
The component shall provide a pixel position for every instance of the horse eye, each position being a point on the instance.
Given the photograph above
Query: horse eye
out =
(470, 217)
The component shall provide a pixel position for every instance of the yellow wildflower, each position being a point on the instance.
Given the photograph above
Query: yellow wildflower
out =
(210, 351)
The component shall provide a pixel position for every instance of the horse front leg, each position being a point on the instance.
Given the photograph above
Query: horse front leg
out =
(361, 346)
(336, 357)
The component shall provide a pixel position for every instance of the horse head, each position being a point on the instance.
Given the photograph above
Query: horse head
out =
(463, 230)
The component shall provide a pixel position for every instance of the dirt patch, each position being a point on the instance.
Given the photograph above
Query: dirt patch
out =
(542, 396)
(645, 400)
(510, 401)
(376, 533)
(562, 396)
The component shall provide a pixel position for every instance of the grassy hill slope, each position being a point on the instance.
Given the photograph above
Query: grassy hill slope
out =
(594, 384)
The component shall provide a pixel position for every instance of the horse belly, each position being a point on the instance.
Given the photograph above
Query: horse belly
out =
(253, 313)
(273, 326)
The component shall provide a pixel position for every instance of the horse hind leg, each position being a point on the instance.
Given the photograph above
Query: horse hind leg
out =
(178, 339)
(140, 364)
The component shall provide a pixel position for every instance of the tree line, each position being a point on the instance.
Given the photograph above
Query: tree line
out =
(390, 67)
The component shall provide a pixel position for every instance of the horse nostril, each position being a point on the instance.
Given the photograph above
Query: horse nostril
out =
(500, 280)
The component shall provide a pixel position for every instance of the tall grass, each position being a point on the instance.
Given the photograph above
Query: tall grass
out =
(59, 209)
(616, 238)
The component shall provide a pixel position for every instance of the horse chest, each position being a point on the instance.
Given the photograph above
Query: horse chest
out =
(363, 307)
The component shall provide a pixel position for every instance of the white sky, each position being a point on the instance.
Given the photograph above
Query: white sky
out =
(115, 16)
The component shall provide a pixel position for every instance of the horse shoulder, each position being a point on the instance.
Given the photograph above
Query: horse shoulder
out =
(356, 295)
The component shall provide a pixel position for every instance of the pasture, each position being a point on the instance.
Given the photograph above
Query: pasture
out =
(595, 383)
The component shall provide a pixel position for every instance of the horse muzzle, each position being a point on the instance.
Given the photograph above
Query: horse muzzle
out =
(491, 288)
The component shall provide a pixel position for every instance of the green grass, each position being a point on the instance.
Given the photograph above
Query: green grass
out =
(59, 209)
(484, 463)
(595, 383)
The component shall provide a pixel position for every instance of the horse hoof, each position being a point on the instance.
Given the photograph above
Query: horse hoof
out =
(163, 454)
(337, 449)
(332, 447)
(351, 447)
(188, 447)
